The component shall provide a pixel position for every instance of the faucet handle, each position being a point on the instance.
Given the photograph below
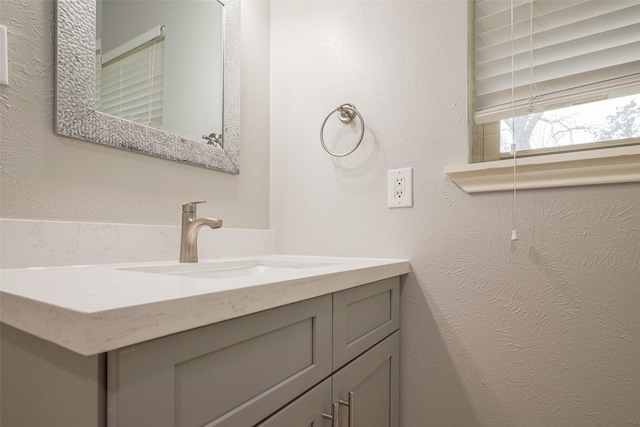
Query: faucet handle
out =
(191, 206)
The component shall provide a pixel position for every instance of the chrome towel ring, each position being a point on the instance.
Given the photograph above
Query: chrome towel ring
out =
(346, 113)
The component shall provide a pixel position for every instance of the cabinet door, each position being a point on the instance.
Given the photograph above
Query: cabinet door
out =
(232, 374)
(362, 317)
(306, 411)
(370, 384)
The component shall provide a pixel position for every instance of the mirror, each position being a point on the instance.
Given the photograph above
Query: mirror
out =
(181, 115)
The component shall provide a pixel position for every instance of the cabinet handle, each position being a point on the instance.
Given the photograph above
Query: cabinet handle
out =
(351, 404)
(335, 418)
(352, 408)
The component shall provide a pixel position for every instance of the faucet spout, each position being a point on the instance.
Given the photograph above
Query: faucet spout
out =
(190, 228)
(201, 222)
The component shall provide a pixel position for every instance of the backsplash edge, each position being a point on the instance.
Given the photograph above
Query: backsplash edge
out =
(36, 243)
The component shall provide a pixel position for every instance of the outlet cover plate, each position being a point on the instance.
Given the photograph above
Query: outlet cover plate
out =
(400, 188)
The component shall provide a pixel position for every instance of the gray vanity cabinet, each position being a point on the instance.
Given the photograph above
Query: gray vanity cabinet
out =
(293, 361)
(283, 367)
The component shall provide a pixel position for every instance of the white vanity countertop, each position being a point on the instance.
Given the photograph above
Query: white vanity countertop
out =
(91, 309)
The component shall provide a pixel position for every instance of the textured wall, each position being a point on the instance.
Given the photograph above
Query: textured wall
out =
(543, 332)
(45, 176)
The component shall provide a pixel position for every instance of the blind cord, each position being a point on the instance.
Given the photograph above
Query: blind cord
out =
(514, 231)
(533, 87)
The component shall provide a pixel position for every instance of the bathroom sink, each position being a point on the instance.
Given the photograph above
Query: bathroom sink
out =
(229, 269)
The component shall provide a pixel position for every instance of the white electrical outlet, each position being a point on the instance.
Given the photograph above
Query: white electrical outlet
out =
(400, 188)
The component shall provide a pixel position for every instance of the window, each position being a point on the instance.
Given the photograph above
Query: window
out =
(129, 80)
(576, 76)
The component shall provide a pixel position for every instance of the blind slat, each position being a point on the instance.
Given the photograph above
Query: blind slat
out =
(547, 36)
(622, 44)
(581, 49)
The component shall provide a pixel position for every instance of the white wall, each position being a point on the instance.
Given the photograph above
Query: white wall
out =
(543, 332)
(45, 176)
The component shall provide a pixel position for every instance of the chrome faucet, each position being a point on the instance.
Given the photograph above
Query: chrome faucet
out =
(190, 228)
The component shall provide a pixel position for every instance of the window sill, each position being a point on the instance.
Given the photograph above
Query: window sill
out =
(600, 166)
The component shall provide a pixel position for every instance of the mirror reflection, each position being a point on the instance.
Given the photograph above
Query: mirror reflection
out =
(160, 64)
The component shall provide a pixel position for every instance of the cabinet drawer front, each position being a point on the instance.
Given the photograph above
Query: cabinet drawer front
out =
(233, 373)
(306, 411)
(362, 317)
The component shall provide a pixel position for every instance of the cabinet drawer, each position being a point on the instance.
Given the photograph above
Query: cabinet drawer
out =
(362, 317)
(233, 373)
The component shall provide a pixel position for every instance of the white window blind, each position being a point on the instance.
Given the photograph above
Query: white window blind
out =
(131, 84)
(582, 50)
